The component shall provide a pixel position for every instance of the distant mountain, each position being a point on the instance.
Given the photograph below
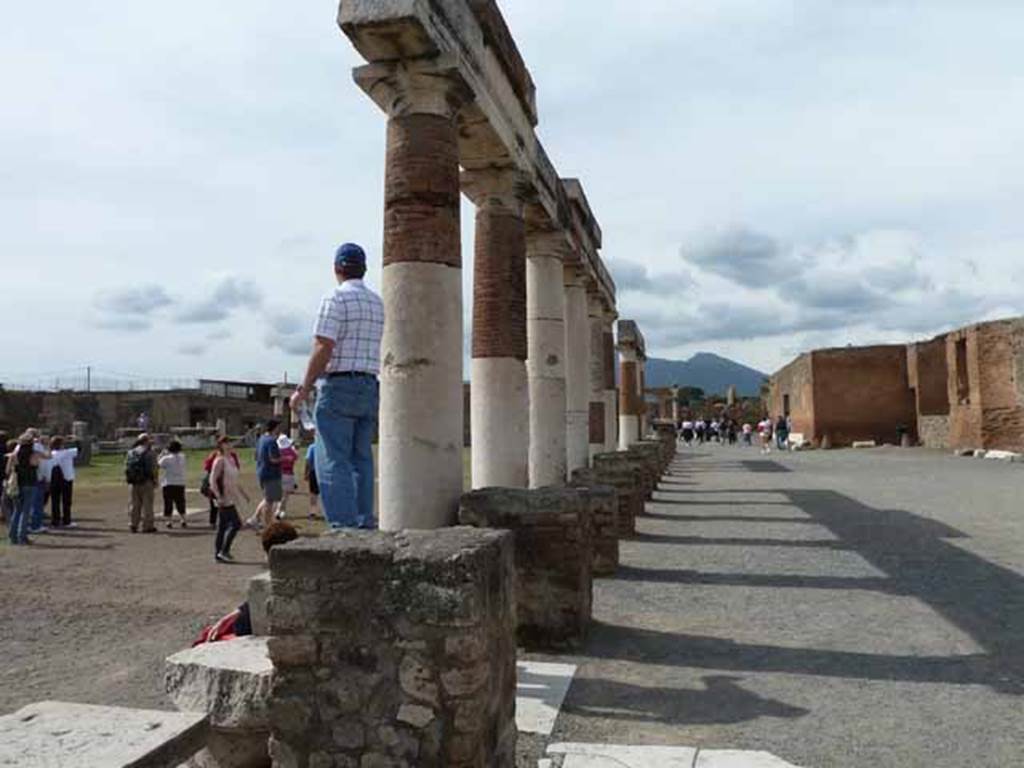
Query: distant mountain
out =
(710, 372)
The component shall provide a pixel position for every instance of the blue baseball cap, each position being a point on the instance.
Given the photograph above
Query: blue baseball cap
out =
(349, 254)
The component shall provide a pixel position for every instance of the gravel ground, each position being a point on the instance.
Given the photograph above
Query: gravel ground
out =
(89, 615)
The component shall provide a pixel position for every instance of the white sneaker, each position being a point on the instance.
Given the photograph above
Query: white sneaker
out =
(279, 515)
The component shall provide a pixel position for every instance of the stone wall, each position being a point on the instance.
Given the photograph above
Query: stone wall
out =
(554, 554)
(625, 472)
(928, 375)
(603, 501)
(394, 649)
(933, 431)
(862, 393)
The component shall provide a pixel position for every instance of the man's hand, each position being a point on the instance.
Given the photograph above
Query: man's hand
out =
(298, 396)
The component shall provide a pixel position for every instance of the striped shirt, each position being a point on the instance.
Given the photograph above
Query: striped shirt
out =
(353, 318)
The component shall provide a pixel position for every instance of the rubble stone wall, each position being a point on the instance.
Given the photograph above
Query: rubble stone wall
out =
(554, 555)
(394, 649)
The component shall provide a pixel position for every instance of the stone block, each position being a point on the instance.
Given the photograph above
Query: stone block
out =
(231, 681)
(603, 501)
(404, 655)
(57, 733)
(259, 593)
(554, 555)
(625, 472)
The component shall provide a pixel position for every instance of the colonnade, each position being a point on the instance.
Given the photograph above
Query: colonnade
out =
(461, 120)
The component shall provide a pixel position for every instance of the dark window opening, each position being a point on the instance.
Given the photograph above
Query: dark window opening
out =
(963, 378)
(785, 405)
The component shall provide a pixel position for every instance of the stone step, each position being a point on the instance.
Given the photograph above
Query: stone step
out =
(571, 755)
(57, 733)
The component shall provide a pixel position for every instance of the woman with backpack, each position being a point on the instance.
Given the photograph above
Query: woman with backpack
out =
(204, 485)
(227, 490)
(20, 480)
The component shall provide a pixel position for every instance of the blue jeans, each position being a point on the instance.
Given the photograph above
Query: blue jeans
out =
(18, 522)
(38, 505)
(346, 420)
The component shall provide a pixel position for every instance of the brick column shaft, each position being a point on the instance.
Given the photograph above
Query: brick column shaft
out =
(577, 387)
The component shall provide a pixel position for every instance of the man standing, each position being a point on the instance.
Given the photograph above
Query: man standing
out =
(346, 356)
(268, 472)
(140, 470)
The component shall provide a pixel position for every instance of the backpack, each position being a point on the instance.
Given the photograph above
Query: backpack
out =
(136, 471)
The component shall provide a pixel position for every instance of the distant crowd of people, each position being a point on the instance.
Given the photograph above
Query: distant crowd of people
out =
(37, 473)
(727, 430)
(276, 460)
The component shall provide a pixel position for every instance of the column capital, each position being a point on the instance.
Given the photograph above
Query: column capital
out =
(505, 188)
(415, 86)
(548, 244)
(574, 276)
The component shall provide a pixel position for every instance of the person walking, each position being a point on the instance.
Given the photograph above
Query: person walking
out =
(764, 428)
(346, 361)
(226, 490)
(268, 472)
(289, 456)
(782, 433)
(140, 471)
(62, 482)
(172, 482)
(20, 480)
(44, 468)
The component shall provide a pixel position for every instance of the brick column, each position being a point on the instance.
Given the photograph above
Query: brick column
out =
(595, 369)
(421, 379)
(641, 374)
(499, 395)
(675, 406)
(611, 394)
(577, 378)
(545, 363)
(629, 399)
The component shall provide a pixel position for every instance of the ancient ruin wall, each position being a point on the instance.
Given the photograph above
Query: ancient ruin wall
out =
(795, 381)
(1000, 351)
(964, 386)
(862, 393)
(928, 374)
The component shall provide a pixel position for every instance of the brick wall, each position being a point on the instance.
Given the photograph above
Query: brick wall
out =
(796, 382)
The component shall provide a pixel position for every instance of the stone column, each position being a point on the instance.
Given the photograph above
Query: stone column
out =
(499, 393)
(577, 378)
(675, 405)
(545, 362)
(642, 387)
(421, 377)
(611, 395)
(629, 400)
(597, 403)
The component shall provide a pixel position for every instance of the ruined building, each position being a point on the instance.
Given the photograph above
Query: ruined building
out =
(963, 389)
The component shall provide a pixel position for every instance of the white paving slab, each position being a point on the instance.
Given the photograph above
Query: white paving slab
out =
(540, 690)
(734, 758)
(621, 756)
(618, 756)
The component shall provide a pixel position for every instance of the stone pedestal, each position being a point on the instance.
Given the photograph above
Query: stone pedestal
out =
(553, 558)
(259, 594)
(603, 501)
(653, 454)
(394, 649)
(623, 471)
(231, 682)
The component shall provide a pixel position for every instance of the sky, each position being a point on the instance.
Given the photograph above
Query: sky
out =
(770, 176)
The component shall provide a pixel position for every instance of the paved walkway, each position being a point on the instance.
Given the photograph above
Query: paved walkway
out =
(833, 608)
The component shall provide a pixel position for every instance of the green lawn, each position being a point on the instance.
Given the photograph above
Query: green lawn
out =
(108, 469)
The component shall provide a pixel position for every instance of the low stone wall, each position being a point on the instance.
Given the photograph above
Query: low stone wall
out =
(394, 649)
(603, 501)
(554, 554)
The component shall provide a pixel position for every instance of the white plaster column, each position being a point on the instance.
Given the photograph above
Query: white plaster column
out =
(629, 402)
(421, 413)
(597, 404)
(545, 362)
(577, 378)
(499, 393)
